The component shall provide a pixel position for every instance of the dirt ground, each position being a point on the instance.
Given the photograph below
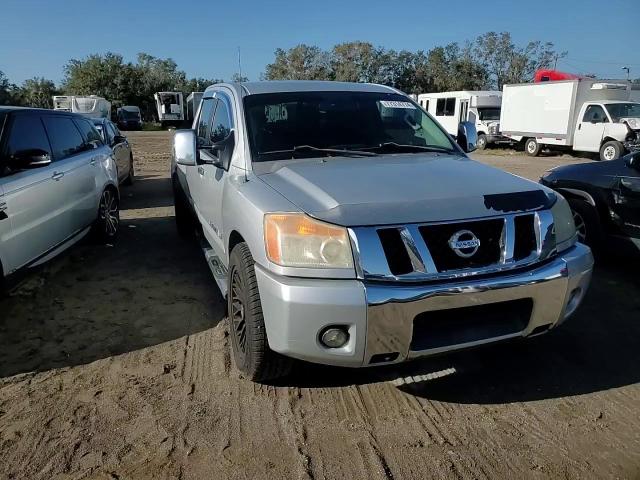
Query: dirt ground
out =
(114, 364)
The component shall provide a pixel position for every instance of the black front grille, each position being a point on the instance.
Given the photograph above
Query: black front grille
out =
(395, 251)
(525, 238)
(456, 326)
(437, 237)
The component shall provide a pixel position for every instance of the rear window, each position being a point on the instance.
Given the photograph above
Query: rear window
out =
(64, 136)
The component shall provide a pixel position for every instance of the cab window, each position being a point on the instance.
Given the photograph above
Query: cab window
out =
(595, 114)
(221, 125)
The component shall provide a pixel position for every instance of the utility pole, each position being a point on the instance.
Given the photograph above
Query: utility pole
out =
(626, 69)
(555, 61)
(239, 64)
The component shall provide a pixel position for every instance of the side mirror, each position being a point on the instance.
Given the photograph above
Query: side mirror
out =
(224, 151)
(119, 139)
(632, 160)
(184, 147)
(467, 136)
(32, 158)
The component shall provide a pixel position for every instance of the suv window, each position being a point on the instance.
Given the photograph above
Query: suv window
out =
(64, 136)
(221, 125)
(27, 133)
(445, 107)
(204, 121)
(595, 114)
(111, 132)
(90, 134)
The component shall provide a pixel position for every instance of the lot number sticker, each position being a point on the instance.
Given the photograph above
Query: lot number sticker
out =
(397, 104)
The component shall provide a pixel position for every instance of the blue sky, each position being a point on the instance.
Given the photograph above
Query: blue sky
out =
(37, 37)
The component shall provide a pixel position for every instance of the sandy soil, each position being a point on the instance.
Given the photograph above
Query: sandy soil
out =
(114, 364)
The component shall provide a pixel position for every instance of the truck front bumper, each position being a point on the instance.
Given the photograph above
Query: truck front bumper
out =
(390, 323)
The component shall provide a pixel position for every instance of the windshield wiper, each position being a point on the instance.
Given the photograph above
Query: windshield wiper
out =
(394, 146)
(310, 148)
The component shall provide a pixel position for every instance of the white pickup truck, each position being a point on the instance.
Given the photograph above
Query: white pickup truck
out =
(345, 227)
(584, 115)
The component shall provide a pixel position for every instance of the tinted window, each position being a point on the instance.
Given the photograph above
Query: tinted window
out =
(277, 122)
(27, 133)
(221, 125)
(91, 135)
(204, 121)
(111, 131)
(445, 107)
(64, 136)
(595, 114)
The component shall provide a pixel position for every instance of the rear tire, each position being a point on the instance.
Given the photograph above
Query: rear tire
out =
(611, 150)
(587, 222)
(251, 351)
(106, 226)
(532, 147)
(482, 142)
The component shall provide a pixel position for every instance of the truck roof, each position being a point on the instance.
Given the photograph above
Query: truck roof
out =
(278, 86)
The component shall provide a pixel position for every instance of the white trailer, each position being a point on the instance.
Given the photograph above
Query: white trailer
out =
(193, 102)
(91, 106)
(170, 108)
(482, 108)
(584, 115)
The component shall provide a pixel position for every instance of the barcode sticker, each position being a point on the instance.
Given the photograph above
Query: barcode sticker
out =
(397, 104)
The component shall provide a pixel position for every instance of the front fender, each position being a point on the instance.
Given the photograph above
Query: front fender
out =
(615, 131)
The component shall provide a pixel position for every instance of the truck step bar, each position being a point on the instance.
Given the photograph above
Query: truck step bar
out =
(217, 268)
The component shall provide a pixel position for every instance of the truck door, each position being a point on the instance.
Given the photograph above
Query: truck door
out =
(213, 177)
(590, 129)
(627, 200)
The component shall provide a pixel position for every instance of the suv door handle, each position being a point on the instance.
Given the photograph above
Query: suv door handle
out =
(201, 171)
(57, 175)
(93, 161)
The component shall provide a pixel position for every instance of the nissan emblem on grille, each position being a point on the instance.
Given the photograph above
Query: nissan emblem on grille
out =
(464, 243)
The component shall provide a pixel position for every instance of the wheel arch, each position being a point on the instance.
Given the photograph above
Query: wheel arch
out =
(589, 196)
(235, 238)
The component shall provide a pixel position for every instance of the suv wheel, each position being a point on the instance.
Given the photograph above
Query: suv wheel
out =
(611, 150)
(482, 142)
(532, 147)
(105, 228)
(587, 221)
(251, 351)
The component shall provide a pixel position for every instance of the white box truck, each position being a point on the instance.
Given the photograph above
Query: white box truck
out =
(91, 106)
(193, 102)
(584, 115)
(170, 108)
(482, 108)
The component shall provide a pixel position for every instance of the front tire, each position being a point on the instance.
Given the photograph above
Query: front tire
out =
(106, 226)
(587, 222)
(532, 147)
(251, 351)
(482, 142)
(611, 150)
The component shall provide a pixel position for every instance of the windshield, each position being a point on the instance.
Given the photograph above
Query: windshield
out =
(489, 113)
(623, 110)
(279, 122)
(129, 115)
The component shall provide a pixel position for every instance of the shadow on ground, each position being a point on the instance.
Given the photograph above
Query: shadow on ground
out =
(595, 350)
(96, 301)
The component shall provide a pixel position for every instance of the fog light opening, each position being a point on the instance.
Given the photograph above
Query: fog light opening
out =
(574, 300)
(334, 337)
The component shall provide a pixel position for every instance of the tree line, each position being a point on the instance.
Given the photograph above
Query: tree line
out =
(488, 62)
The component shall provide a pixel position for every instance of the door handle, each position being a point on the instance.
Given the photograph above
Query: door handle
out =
(201, 171)
(579, 126)
(57, 175)
(93, 161)
(3, 207)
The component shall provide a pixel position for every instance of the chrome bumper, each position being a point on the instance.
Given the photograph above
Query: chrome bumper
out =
(380, 316)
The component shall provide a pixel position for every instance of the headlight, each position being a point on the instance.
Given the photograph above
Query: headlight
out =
(564, 227)
(296, 240)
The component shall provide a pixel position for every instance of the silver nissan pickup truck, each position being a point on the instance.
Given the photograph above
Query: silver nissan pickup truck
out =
(344, 226)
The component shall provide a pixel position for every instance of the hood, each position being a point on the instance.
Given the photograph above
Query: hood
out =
(393, 189)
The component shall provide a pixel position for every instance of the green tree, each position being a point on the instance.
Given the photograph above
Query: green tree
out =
(8, 91)
(506, 62)
(38, 92)
(303, 62)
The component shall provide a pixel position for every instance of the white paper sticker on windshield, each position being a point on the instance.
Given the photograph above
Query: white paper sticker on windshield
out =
(397, 104)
